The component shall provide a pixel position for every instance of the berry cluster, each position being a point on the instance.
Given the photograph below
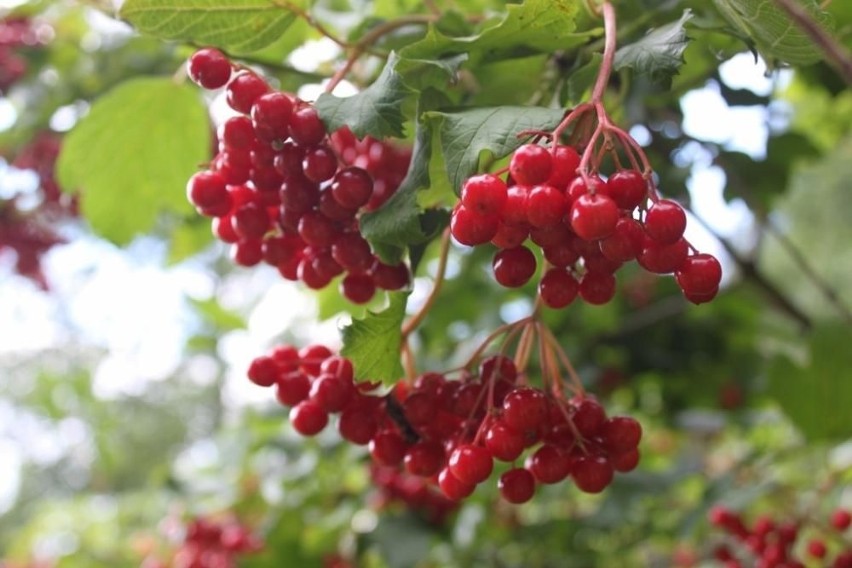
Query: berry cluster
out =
(15, 33)
(451, 431)
(284, 191)
(768, 543)
(208, 543)
(28, 225)
(587, 228)
(416, 493)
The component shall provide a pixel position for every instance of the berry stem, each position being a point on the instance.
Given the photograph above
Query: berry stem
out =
(608, 55)
(417, 318)
(311, 21)
(547, 335)
(408, 360)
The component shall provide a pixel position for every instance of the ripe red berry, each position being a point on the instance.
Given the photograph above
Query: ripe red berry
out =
(545, 206)
(209, 68)
(597, 288)
(308, 418)
(621, 434)
(625, 243)
(558, 288)
(566, 160)
(471, 464)
(387, 447)
(390, 277)
(208, 192)
(485, 194)
(699, 274)
(358, 288)
(306, 128)
(352, 187)
(503, 442)
(471, 228)
(515, 209)
(625, 461)
(531, 164)
(357, 425)
(588, 417)
(517, 486)
(244, 90)
(237, 133)
(331, 393)
(592, 474)
(319, 164)
(263, 371)
(627, 188)
(549, 464)
(509, 236)
(424, 458)
(292, 388)
(594, 216)
(247, 252)
(817, 548)
(514, 267)
(662, 259)
(453, 488)
(270, 116)
(524, 409)
(665, 221)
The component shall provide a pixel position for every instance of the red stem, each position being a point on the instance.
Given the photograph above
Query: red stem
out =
(609, 52)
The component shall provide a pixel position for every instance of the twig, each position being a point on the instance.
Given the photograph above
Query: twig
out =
(836, 55)
(609, 52)
(417, 318)
(805, 266)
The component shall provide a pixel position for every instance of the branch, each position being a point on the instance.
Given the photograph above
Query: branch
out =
(836, 55)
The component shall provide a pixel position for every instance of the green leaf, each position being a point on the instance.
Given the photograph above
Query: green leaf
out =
(240, 26)
(375, 111)
(659, 54)
(815, 394)
(537, 26)
(772, 31)
(468, 134)
(132, 154)
(373, 343)
(419, 74)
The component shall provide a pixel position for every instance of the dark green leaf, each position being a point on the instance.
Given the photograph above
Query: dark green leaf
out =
(814, 393)
(659, 54)
(774, 34)
(132, 154)
(238, 25)
(373, 343)
(467, 134)
(375, 111)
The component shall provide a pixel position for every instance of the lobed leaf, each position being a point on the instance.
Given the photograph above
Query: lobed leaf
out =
(373, 343)
(659, 54)
(468, 134)
(241, 26)
(132, 154)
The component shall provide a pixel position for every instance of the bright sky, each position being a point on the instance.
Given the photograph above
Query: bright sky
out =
(128, 303)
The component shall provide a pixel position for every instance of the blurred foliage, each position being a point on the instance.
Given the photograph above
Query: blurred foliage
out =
(742, 401)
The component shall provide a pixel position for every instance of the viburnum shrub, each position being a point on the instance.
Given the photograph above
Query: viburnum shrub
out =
(292, 186)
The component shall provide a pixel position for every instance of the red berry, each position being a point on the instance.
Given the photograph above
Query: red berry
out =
(502, 442)
(597, 288)
(237, 133)
(390, 277)
(485, 194)
(524, 409)
(244, 90)
(545, 206)
(424, 458)
(549, 464)
(308, 418)
(247, 252)
(452, 487)
(661, 258)
(358, 288)
(558, 288)
(841, 519)
(515, 209)
(208, 192)
(625, 243)
(514, 267)
(209, 68)
(627, 188)
(589, 416)
(250, 221)
(625, 461)
(621, 434)
(387, 447)
(471, 464)
(531, 164)
(472, 228)
(699, 274)
(592, 474)
(292, 388)
(509, 236)
(566, 160)
(306, 128)
(594, 216)
(357, 425)
(352, 187)
(517, 486)
(331, 393)
(665, 221)
(319, 164)
(263, 371)
(270, 116)
(352, 252)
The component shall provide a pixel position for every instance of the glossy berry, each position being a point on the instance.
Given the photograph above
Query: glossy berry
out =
(699, 274)
(661, 258)
(531, 164)
(292, 388)
(545, 206)
(524, 409)
(387, 447)
(841, 519)
(484, 194)
(209, 68)
(597, 288)
(549, 464)
(594, 217)
(424, 458)
(306, 128)
(627, 188)
(665, 221)
(352, 187)
(517, 486)
(471, 464)
(472, 228)
(503, 442)
(566, 160)
(453, 488)
(592, 474)
(270, 116)
(514, 267)
(621, 434)
(263, 371)
(244, 90)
